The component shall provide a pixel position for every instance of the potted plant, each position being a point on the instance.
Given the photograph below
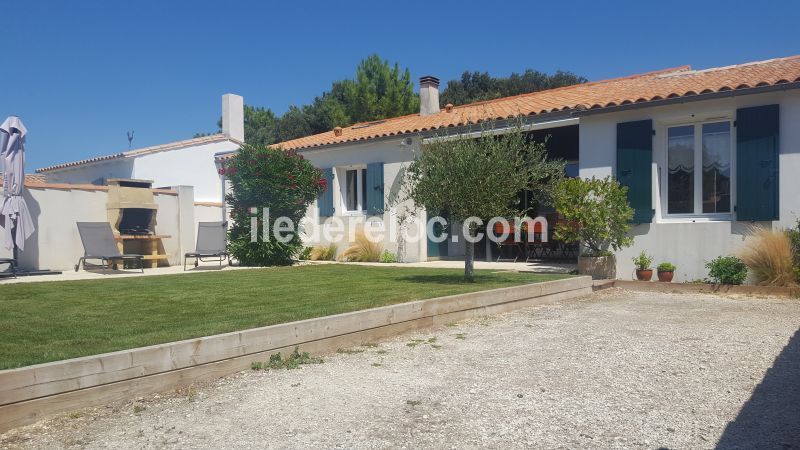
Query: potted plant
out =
(665, 272)
(595, 213)
(643, 270)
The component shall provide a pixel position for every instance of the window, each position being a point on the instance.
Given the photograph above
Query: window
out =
(699, 164)
(355, 194)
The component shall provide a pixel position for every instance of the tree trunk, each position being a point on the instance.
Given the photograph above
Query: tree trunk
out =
(469, 261)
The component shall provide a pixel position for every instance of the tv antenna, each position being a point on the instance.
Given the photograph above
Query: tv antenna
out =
(130, 139)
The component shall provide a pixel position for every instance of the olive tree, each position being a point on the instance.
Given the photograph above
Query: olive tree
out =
(480, 176)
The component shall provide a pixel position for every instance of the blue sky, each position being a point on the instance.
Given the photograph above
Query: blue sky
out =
(81, 74)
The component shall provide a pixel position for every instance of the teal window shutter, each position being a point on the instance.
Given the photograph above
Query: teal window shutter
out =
(374, 188)
(325, 200)
(634, 166)
(757, 157)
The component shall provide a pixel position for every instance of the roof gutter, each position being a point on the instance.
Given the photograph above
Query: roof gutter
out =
(507, 126)
(689, 99)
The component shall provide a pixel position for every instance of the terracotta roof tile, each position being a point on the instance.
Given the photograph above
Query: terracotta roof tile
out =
(29, 179)
(653, 86)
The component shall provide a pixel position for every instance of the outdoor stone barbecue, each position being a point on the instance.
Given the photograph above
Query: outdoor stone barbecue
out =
(132, 213)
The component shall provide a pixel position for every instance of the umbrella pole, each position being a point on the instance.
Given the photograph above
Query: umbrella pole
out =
(15, 255)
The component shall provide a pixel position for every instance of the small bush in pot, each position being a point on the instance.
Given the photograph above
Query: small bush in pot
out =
(665, 272)
(643, 270)
(595, 213)
(727, 270)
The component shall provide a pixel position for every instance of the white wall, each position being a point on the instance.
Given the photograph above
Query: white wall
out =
(190, 166)
(395, 158)
(56, 244)
(90, 173)
(689, 243)
(207, 213)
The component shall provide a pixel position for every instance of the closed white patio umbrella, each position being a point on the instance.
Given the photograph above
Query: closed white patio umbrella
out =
(15, 219)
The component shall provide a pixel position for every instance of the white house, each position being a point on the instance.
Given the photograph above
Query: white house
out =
(705, 154)
(186, 190)
(182, 163)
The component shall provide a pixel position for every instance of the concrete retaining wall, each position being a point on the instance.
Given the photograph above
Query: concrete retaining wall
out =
(30, 393)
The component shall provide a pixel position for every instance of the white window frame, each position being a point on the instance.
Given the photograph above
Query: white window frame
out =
(698, 215)
(360, 186)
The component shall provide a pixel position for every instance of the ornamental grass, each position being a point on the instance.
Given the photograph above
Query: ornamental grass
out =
(768, 255)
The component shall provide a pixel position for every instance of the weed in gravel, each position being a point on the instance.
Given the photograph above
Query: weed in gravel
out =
(189, 392)
(413, 402)
(451, 324)
(75, 415)
(293, 361)
(376, 364)
(461, 336)
(382, 352)
(349, 351)
(370, 345)
(430, 341)
(138, 408)
(437, 347)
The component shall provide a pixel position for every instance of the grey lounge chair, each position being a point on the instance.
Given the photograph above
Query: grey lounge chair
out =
(211, 240)
(98, 243)
(12, 267)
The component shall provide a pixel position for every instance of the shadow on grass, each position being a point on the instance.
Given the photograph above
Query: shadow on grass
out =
(771, 417)
(445, 279)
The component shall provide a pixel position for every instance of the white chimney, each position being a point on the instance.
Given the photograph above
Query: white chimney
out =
(233, 116)
(428, 95)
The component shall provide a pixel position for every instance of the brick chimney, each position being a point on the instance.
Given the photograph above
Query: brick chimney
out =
(428, 95)
(233, 116)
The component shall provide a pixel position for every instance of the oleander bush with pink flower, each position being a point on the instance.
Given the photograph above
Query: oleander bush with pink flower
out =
(267, 177)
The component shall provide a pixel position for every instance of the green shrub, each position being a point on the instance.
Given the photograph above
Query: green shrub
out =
(727, 270)
(794, 240)
(267, 177)
(666, 267)
(643, 261)
(305, 254)
(388, 257)
(596, 214)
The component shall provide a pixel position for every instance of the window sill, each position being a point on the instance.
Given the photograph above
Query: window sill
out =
(697, 219)
(353, 213)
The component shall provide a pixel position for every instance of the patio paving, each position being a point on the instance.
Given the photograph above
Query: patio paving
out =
(614, 370)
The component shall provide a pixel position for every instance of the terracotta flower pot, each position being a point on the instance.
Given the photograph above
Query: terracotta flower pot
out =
(666, 277)
(644, 275)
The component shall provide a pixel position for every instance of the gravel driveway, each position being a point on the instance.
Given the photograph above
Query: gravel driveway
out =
(617, 369)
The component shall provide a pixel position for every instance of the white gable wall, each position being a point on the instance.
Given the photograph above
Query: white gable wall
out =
(690, 243)
(92, 173)
(190, 166)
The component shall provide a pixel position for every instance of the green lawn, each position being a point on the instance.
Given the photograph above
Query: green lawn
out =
(50, 321)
